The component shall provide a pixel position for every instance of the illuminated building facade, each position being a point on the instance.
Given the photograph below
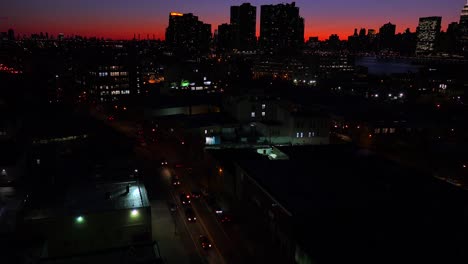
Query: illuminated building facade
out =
(109, 83)
(428, 31)
(464, 26)
(281, 27)
(243, 23)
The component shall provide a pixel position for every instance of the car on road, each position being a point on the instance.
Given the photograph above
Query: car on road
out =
(185, 199)
(176, 181)
(190, 215)
(163, 162)
(196, 194)
(204, 242)
(224, 218)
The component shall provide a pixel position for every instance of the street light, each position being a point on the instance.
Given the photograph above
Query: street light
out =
(79, 219)
(134, 213)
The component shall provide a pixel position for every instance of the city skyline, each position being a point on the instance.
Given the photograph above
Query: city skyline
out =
(119, 20)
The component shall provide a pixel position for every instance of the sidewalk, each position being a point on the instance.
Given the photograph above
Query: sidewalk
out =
(170, 244)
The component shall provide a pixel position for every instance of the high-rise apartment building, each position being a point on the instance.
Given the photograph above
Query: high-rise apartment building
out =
(243, 24)
(224, 38)
(281, 27)
(186, 34)
(387, 36)
(427, 33)
(463, 25)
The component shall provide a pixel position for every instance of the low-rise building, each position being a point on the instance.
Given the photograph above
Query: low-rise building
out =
(280, 122)
(90, 218)
(338, 203)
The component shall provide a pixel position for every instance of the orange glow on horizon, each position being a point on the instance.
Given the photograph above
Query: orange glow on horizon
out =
(176, 14)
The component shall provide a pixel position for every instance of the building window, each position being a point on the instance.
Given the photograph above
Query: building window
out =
(263, 114)
(384, 130)
(297, 134)
(310, 134)
(252, 114)
(302, 135)
(206, 131)
(392, 130)
(263, 106)
(377, 131)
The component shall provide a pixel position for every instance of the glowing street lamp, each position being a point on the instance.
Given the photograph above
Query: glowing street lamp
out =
(79, 219)
(134, 213)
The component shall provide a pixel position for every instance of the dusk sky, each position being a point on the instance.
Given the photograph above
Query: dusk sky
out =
(120, 19)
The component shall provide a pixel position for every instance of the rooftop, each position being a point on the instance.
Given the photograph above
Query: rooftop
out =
(91, 198)
(348, 200)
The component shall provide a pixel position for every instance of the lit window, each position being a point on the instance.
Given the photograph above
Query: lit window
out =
(263, 114)
(392, 130)
(206, 131)
(297, 134)
(377, 131)
(302, 135)
(252, 114)
(310, 134)
(384, 130)
(263, 106)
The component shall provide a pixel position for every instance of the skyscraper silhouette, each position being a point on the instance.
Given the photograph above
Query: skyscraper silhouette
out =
(243, 24)
(186, 34)
(281, 27)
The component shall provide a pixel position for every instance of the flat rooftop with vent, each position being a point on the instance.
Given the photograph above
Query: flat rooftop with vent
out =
(89, 218)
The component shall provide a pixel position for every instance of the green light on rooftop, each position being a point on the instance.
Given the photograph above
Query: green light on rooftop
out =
(79, 219)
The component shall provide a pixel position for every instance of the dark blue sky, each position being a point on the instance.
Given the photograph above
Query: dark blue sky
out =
(122, 18)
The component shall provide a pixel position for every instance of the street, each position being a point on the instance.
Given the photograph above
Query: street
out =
(177, 238)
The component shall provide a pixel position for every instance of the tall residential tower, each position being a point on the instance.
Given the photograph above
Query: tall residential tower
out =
(464, 26)
(243, 25)
(186, 34)
(427, 33)
(281, 27)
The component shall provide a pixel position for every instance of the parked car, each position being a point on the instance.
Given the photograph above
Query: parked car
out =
(172, 207)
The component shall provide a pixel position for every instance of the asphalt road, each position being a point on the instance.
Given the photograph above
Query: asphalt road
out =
(178, 239)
